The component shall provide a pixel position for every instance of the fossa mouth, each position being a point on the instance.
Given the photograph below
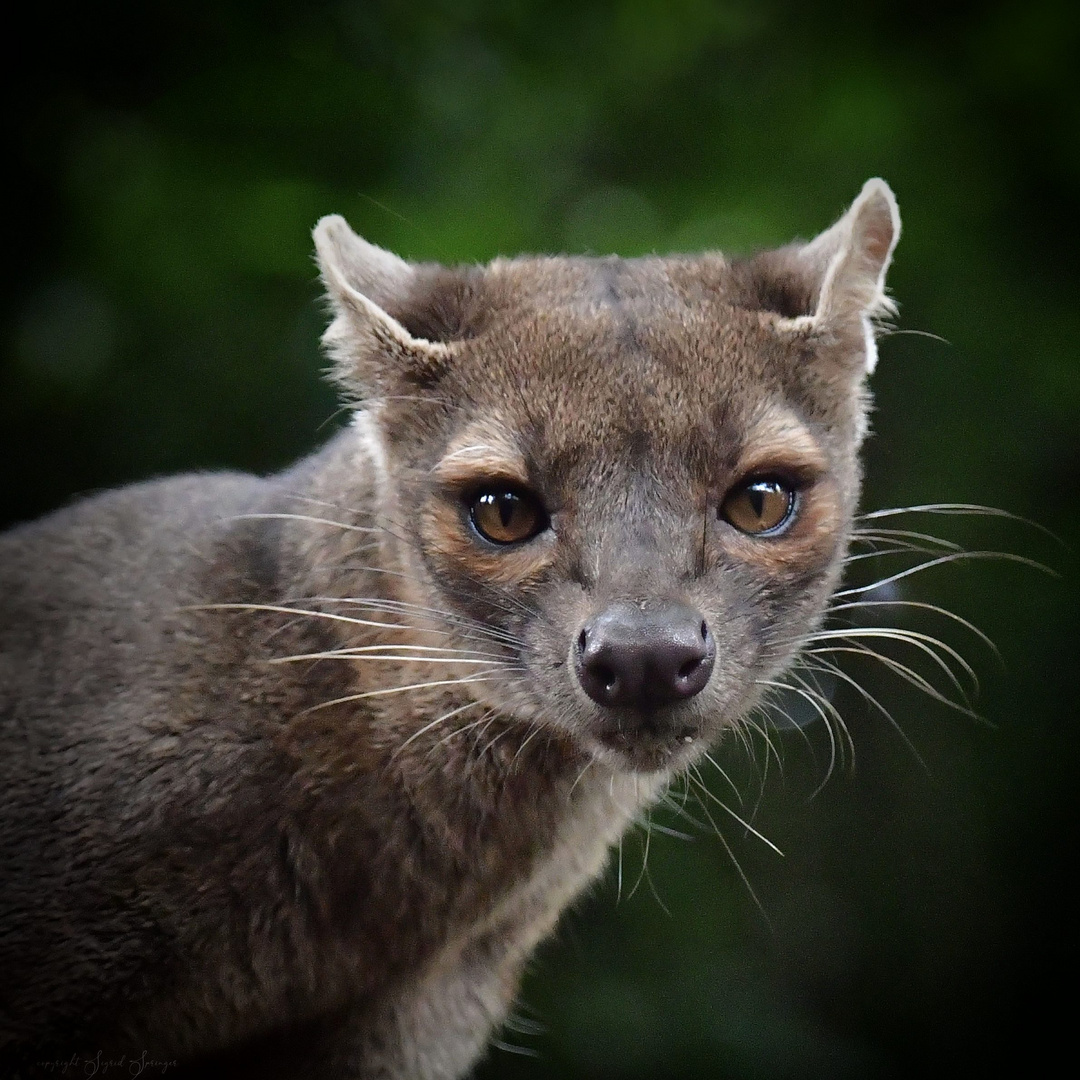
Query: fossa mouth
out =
(649, 742)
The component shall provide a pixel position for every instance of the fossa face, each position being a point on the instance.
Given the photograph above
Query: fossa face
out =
(638, 476)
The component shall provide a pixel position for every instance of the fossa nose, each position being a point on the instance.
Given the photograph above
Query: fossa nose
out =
(644, 658)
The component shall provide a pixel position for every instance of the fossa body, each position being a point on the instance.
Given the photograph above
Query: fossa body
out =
(296, 772)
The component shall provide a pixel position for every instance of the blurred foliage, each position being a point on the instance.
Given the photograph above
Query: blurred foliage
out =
(160, 313)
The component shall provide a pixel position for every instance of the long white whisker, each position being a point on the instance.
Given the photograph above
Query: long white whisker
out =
(895, 548)
(834, 717)
(412, 658)
(283, 609)
(348, 526)
(941, 561)
(908, 674)
(926, 643)
(401, 607)
(734, 861)
(867, 696)
(537, 728)
(485, 718)
(950, 510)
(730, 783)
(904, 534)
(745, 824)
(770, 746)
(855, 605)
(823, 707)
(434, 723)
(585, 768)
(397, 690)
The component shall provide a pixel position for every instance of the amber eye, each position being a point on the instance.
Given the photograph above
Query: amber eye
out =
(759, 507)
(506, 515)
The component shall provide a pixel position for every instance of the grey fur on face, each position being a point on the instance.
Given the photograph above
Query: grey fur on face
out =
(296, 772)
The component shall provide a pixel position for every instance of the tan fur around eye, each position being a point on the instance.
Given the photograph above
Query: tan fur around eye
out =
(778, 441)
(447, 535)
(483, 451)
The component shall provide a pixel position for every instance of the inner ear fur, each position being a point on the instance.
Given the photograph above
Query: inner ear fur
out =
(368, 346)
(853, 256)
(835, 284)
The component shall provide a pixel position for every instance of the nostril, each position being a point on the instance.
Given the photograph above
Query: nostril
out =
(582, 641)
(704, 631)
(690, 667)
(605, 676)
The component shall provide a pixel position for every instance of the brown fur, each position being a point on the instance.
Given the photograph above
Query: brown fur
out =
(230, 835)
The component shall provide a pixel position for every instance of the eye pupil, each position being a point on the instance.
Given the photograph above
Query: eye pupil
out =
(759, 507)
(506, 515)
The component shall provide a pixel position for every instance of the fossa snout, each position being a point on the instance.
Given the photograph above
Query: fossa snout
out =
(642, 657)
(639, 662)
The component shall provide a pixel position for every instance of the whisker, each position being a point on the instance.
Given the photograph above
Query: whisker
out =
(494, 741)
(282, 609)
(577, 780)
(745, 824)
(401, 607)
(348, 526)
(646, 825)
(396, 690)
(959, 510)
(913, 333)
(735, 862)
(904, 534)
(723, 772)
(823, 707)
(896, 547)
(421, 651)
(537, 728)
(836, 670)
(485, 718)
(618, 878)
(907, 673)
(922, 605)
(838, 731)
(770, 746)
(926, 643)
(346, 654)
(941, 561)
(434, 723)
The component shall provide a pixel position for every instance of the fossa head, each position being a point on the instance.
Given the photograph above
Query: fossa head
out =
(642, 472)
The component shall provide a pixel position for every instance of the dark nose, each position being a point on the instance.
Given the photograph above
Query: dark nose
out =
(644, 659)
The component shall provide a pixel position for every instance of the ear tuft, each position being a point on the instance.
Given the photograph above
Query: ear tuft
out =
(369, 347)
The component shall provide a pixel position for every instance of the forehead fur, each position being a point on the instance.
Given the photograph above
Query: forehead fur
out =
(618, 349)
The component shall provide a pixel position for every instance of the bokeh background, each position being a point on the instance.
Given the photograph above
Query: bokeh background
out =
(160, 312)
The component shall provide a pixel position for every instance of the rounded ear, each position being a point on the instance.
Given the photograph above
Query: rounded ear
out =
(850, 260)
(366, 343)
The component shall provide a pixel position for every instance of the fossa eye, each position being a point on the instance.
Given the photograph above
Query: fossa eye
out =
(507, 515)
(759, 507)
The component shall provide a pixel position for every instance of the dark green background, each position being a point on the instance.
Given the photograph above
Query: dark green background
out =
(160, 313)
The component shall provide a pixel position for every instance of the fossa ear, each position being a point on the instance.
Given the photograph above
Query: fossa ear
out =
(850, 261)
(369, 347)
